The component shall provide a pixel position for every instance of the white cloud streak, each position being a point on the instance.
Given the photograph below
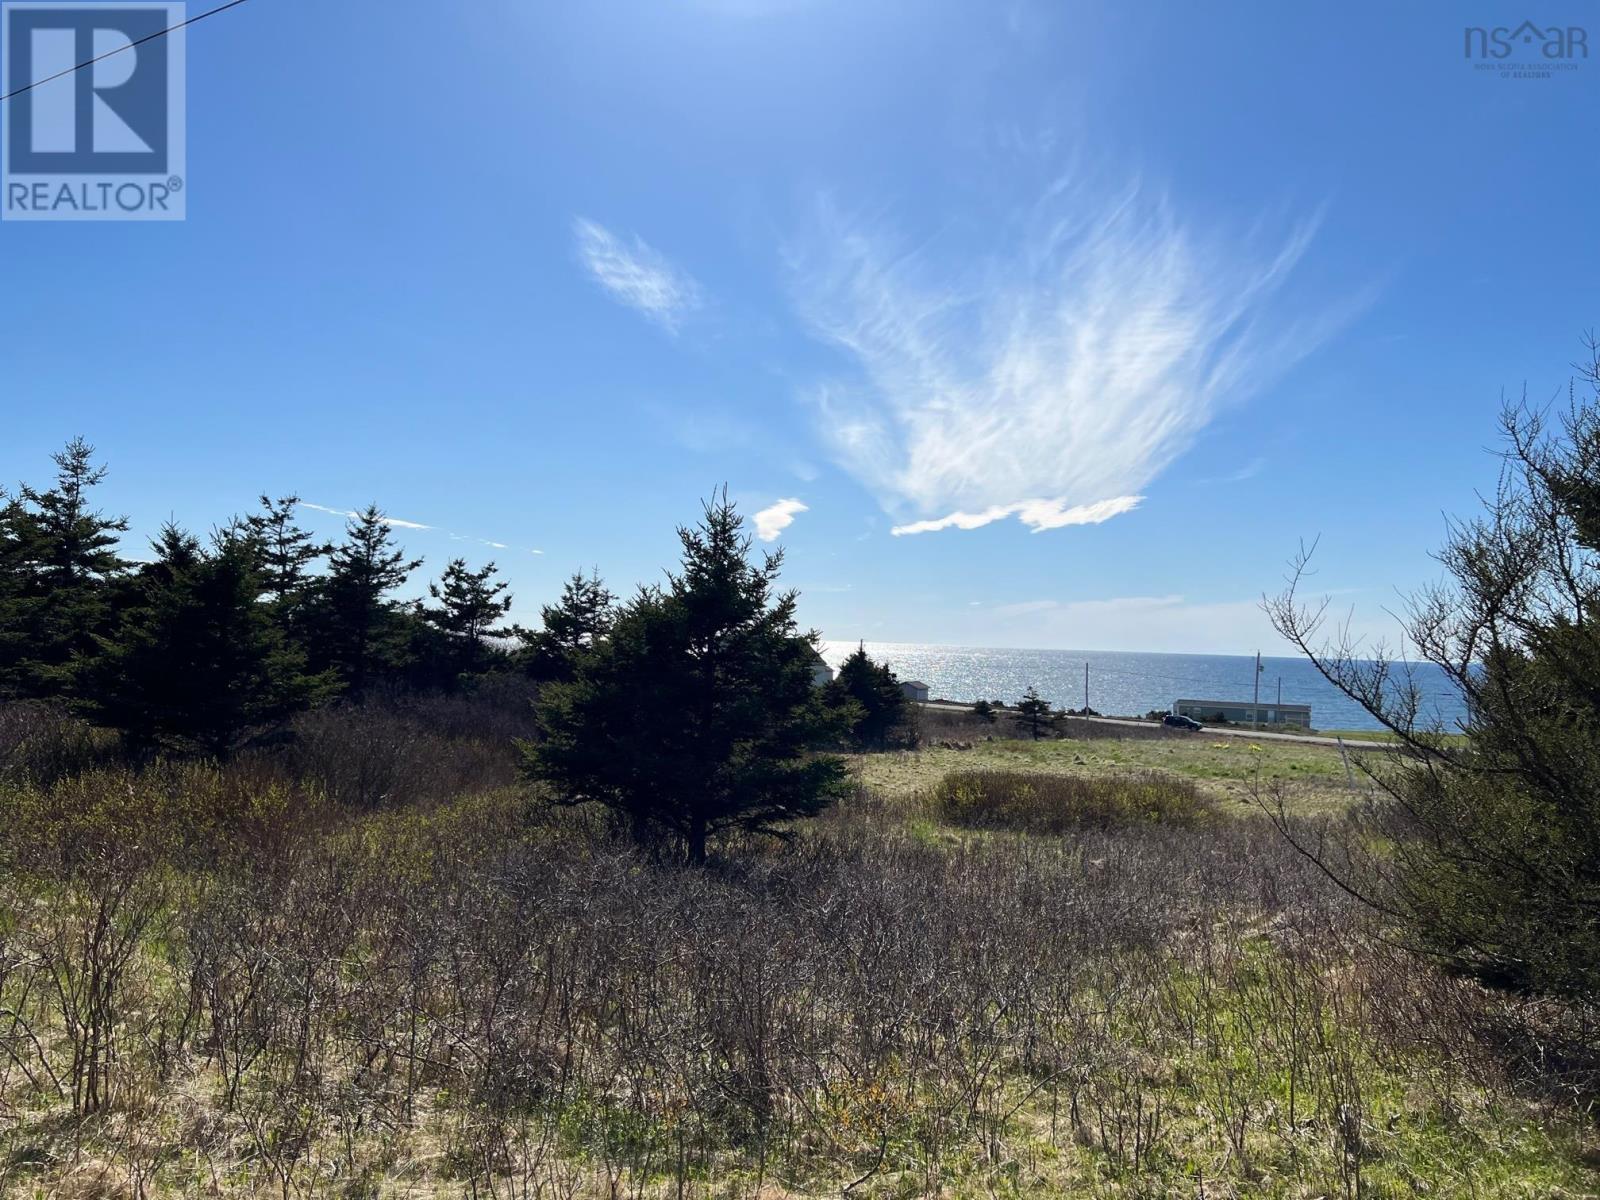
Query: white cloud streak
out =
(1026, 608)
(1053, 379)
(636, 275)
(775, 518)
(396, 522)
(1247, 472)
(1038, 515)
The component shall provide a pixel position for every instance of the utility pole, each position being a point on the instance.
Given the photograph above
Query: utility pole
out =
(1255, 707)
(1086, 689)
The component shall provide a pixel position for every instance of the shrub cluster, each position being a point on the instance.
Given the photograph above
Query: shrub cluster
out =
(403, 748)
(212, 982)
(41, 742)
(1034, 802)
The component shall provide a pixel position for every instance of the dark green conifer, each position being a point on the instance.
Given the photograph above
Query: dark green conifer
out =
(358, 629)
(469, 605)
(571, 626)
(1035, 714)
(696, 714)
(877, 708)
(196, 660)
(60, 568)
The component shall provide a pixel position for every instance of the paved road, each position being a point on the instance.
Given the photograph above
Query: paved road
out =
(1304, 739)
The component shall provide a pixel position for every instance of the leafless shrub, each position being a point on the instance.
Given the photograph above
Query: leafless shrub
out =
(386, 755)
(85, 947)
(42, 743)
(556, 1015)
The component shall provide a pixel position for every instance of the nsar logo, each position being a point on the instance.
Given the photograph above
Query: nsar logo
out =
(1543, 51)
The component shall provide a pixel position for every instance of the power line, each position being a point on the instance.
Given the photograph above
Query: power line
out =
(150, 37)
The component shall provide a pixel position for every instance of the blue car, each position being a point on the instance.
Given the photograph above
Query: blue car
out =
(1177, 722)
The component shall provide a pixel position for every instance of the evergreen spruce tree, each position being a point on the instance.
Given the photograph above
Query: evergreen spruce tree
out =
(469, 606)
(196, 660)
(572, 625)
(696, 714)
(1035, 714)
(358, 631)
(17, 554)
(871, 693)
(61, 567)
(284, 551)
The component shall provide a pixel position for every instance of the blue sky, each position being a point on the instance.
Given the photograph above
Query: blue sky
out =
(1102, 307)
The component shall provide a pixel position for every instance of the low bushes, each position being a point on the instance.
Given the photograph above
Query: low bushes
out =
(212, 979)
(394, 750)
(1030, 802)
(168, 816)
(462, 1000)
(397, 753)
(42, 743)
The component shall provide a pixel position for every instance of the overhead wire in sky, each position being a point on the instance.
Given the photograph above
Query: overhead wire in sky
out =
(109, 53)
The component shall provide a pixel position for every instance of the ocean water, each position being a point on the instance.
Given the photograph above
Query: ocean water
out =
(1123, 683)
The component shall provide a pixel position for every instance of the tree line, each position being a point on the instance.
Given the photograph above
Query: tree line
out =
(689, 709)
(213, 637)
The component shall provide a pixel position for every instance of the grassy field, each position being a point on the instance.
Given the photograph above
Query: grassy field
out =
(1229, 769)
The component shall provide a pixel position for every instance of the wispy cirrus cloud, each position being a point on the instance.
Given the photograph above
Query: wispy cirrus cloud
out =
(1024, 608)
(1052, 377)
(636, 275)
(1249, 471)
(396, 522)
(775, 518)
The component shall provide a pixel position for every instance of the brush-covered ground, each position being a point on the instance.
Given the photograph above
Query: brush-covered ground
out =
(1103, 977)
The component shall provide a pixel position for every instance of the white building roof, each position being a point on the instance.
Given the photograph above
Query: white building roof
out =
(1246, 704)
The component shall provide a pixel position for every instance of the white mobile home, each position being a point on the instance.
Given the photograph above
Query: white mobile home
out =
(1244, 712)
